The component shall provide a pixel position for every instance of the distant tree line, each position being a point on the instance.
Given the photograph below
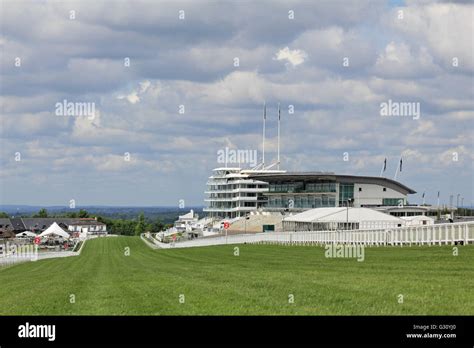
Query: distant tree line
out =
(133, 227)
(167, 214)
(43, 213)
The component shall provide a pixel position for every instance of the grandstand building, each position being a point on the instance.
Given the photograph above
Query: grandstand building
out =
(235, 192)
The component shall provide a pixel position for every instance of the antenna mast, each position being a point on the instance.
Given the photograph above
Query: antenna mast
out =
(263, 142)
(278, 157)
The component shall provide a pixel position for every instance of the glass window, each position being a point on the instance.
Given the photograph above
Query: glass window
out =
(346, 191)
(393, 201)
(325, 201)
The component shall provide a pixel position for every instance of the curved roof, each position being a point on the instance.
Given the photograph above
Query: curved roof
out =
(295, 176)
(341, 215)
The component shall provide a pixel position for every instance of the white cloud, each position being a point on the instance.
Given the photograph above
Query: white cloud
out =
(237, 87)
(398, 61)
(445, 28)
(336, 107)
(144, 85)
(294, 57)
(134, 96)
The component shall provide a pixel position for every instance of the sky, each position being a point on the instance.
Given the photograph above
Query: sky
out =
(170, 84)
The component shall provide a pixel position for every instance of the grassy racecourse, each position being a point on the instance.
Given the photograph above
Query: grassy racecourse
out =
(259, 281)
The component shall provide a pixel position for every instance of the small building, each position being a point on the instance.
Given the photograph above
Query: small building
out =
(7, 234)
(414, 210)
(328, 219)
(87, 226)
(6, 229)
(186, 222)
(38, 225)
(418, 220)
(5, 224)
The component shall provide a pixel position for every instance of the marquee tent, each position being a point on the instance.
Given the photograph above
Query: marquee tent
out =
(26, 234)
(54, 229)
(340, 218)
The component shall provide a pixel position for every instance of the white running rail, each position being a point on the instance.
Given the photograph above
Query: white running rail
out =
(11, 260)
(438, 234)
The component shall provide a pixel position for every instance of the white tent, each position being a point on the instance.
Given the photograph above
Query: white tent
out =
(341, 214)
(26, 234)
(341, 218)
(56, 230)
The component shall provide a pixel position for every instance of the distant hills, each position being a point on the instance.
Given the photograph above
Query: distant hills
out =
(166, 213)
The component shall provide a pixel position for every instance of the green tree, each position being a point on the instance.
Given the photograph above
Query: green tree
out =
(115, 227)
(4, 215)
(43, 213)
(140, 227)
(156, 226)
(83, 214)
(130, 227)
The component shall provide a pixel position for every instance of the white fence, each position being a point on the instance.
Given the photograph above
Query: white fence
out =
(438, 234)
(10, 260)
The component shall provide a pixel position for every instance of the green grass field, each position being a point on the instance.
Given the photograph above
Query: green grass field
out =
(259, 281)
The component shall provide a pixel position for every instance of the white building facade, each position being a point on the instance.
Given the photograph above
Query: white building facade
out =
(233, 192)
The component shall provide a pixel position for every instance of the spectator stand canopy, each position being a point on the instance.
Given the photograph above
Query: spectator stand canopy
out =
(55, 230)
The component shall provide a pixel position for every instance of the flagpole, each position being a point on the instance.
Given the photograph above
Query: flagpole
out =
(396, 173)
(383, 167)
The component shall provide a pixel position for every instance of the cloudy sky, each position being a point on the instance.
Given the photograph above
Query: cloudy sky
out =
(172, 83)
